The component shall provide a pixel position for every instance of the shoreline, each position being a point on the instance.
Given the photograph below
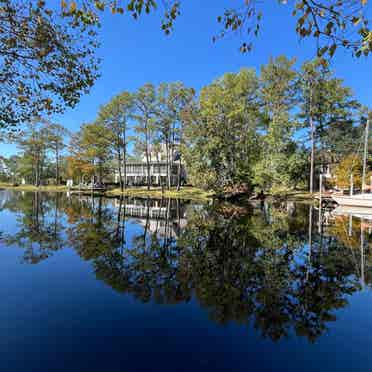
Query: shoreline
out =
(189, 193)
(291, 195)
(33, 188)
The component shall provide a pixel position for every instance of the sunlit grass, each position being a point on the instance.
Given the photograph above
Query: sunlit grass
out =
(296, 195)
(191, 193)
(33, 188)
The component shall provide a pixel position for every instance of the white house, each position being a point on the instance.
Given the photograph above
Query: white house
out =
(137, 172)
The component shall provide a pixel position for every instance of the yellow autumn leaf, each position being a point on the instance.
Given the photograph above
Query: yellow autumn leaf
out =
(72, 6)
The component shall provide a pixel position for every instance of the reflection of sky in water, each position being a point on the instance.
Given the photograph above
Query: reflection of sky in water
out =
(55, 315)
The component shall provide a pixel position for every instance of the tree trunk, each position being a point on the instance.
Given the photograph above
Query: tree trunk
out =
(172, 153)
(125, 160)
(147, 160)
(167, 150)
(57, 166)
(33, 176)
(100, 171)
(37, 172)
(179, 176)
(180, 161)
(120, 171)
(160, 183)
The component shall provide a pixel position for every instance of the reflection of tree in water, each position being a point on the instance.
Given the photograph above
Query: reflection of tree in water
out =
(241, 269)
(39, 225)
(347, 231)
(93, 228)
(268, 268)
(354, 234)
(148, 268)
(251, 270)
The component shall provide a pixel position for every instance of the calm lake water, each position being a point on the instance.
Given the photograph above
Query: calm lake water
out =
(149, 285)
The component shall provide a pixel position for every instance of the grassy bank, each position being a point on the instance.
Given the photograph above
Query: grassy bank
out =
(298, 195)
(190, 193)
(34, 188)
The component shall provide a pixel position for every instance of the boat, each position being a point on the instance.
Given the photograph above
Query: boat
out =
(357, 200)
(355, 211)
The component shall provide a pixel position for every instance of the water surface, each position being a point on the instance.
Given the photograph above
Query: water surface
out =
(162, 285)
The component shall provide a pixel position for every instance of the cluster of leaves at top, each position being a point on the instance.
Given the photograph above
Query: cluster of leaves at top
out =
(48, 60)
(48, 51)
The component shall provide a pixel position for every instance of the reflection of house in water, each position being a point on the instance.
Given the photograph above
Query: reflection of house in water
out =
(165, 217)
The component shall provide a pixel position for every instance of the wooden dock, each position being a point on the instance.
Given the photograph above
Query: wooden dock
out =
(88, 190)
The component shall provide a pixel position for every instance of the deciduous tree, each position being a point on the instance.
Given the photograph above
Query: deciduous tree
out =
(145, 104)
(173, 99)
(47, 59)
(115, 117)
(278, 95)
(221, 132)
(56, 141)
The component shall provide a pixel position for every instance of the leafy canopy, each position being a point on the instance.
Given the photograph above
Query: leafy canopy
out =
(47, 59)
(47, 50)
(332, 23)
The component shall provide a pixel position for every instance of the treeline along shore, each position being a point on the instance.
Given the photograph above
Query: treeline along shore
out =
(271, 131)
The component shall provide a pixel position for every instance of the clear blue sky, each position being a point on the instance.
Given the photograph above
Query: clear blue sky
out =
(136, 52)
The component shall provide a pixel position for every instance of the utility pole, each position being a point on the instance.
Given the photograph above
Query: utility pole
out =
(312, 139)
(312, 156)
(365, 154)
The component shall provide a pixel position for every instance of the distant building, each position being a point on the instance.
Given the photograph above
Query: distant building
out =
(137, 171)
(328, 169)
(325, 164)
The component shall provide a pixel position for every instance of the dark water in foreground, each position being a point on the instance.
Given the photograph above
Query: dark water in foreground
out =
(144, 285)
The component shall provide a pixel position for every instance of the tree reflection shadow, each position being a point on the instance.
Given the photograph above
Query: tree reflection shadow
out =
(271, 268)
